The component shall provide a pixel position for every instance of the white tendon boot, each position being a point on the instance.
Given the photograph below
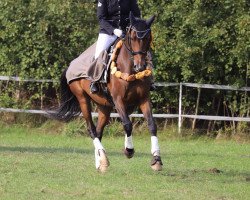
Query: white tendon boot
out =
(155, 149)
(128, 142)
(101, 161)
(156, 163)
(129, 147)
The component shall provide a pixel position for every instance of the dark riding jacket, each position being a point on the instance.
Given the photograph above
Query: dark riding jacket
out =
(114, 14)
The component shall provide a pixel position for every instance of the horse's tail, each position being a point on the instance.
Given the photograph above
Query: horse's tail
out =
(69, 106)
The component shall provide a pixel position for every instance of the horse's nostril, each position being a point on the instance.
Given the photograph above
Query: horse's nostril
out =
(140, 67)
(136, 68)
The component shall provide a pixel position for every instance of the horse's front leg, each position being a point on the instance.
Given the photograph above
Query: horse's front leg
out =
(156, 163)
(127, 125)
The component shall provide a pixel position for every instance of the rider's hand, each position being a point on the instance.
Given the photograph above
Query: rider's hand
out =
(118, 32)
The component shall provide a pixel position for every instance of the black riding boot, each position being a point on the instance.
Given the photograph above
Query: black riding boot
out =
(93, 87)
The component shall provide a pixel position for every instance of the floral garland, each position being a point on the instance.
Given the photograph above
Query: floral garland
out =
(126, 76)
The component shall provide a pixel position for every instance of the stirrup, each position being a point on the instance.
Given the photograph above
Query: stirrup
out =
(93, 87)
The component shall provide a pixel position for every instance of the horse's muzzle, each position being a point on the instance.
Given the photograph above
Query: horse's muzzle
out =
(139, 67)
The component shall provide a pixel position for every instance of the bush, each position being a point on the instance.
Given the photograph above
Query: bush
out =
(202, 41)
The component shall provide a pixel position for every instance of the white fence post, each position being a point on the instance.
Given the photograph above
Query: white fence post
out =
(180, 105)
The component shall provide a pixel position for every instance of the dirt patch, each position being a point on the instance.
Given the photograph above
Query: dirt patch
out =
(214, 171)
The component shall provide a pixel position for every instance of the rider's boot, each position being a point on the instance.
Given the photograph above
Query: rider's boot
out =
(93, 87)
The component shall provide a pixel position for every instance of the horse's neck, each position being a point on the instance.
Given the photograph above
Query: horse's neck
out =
(124, 62)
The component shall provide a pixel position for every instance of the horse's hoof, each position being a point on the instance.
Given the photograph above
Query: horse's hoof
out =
(104, 163)
(157, 166)
(129, 153)
(156, 163)
(103, 168)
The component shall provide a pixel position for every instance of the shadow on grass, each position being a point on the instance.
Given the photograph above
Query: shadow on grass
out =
(62, 150)
(44, 150)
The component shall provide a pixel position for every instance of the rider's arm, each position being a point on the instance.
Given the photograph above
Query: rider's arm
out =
(135, 8)
(102, 14)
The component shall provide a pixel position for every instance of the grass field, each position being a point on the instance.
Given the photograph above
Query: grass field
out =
(34, 165)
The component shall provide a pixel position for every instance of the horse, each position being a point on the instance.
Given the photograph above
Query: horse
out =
(128, 86)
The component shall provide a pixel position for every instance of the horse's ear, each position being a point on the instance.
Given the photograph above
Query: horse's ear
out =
(132, 18)
(150, 20)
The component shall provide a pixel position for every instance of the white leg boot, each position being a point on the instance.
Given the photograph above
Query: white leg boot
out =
(128, 142)
(129, 147)
(101, 160)
(156, 163)
(155, 149)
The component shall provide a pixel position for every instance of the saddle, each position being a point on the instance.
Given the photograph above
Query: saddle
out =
(87, 67)
(106, 62)
(101, 83)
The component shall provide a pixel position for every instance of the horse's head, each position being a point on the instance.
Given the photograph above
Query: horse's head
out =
(138, 39)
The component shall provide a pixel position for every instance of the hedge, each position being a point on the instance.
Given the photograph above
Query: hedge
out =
(201, 41)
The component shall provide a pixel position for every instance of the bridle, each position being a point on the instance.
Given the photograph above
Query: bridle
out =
(142, 65)
(140, 35)
(123, 75)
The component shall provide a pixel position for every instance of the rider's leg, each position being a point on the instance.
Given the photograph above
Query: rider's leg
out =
(103, 42)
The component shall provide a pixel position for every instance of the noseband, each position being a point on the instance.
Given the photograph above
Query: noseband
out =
(140, 35)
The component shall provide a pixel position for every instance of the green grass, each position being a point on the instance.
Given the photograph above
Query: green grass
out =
(34, 165)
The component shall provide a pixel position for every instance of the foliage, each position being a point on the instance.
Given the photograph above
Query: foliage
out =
(75, 128)
(201, 41)
(40, 38)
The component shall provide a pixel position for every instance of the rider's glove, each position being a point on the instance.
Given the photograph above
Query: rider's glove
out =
(118, 32)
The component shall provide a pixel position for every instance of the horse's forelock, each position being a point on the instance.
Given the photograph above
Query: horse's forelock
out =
(140, 24)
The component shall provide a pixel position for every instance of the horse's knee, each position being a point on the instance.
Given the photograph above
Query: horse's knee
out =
(152, 128)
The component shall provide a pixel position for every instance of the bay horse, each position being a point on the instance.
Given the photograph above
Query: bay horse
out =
(128, 89)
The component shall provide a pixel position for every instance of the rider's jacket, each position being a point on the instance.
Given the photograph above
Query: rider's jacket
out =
(114, 14)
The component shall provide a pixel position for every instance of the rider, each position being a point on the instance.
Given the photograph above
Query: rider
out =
(113, 16)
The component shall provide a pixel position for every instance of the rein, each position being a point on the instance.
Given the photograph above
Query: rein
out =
(126, 76)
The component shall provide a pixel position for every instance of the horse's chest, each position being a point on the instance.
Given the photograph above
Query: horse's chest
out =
(135, 95)
(130, 93)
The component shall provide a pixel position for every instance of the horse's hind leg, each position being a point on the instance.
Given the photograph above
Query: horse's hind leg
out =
(84, 102)
(102, 161)
(156, 163)
(103, 118)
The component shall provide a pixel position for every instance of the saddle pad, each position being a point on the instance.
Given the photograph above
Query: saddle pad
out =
(85, 66)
